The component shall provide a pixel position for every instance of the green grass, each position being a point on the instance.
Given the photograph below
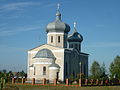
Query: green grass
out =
(40, 87)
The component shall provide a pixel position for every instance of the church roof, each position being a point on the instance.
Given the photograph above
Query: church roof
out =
(82, 53)
(54, 65)
(75, 37)
(58, 25)
(79, 53)
(44, 53)
(32, 65)
(44, 45)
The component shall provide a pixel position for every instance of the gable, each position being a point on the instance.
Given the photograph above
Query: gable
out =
(47, 46)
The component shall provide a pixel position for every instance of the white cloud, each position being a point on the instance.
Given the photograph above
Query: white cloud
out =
(103, 45)
(6, 33)
(17, 6)
(15, 30)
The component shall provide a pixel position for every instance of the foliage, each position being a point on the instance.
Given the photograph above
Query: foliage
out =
(95, 70)
(115, 68)
(8, 75)
(103, 74)
(4, 70)
(98, 71)
(21, 74)
(71, 78)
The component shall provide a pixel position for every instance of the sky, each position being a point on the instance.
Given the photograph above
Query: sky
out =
(23, 23)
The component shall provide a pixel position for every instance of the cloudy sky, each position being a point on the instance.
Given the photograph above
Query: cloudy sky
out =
(23, 22)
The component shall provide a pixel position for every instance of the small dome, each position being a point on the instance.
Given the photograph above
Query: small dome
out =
(75, 37)
(44, 53)
(31, 65)
(58, 13)
(58, 25)
(54, 65)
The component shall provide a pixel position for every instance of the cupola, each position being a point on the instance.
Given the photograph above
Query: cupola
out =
(75, 36)
(75, 39)
(58, 25)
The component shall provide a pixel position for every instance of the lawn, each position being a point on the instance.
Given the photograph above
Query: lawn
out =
(40, 87)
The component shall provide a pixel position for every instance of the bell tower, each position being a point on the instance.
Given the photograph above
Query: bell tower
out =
(57, 31)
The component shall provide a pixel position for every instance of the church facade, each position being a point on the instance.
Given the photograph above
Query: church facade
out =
(61, 57)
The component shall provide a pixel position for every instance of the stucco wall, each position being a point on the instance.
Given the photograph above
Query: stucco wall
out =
(58, 53)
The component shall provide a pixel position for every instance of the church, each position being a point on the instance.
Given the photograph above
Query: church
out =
(60, 57)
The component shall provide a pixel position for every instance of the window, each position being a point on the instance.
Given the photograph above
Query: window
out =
(58, 39)
(57, 75)
(79, 46)
(34, 71)
(66, 69)
(51, 39)
(71, 45)
(44, 70)
(76, 46)
(84, 69)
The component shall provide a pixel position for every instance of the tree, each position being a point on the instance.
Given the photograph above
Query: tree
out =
(4, 71)
(103, 74)
(22, 74)
(95, 70)
(71, 78)
(115, 68)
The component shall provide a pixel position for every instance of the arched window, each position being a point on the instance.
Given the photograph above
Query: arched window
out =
(57, 75)
(58, 39)
(71, 45)
(51, 39)
(84, 69)
(34, 71)
(79, 46)
(44, 70)
(66, 68)
(76, 46)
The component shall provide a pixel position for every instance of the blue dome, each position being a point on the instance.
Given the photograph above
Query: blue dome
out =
(75, 37)
(44, 53)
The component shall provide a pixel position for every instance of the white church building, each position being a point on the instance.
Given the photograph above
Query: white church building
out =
(60, 57)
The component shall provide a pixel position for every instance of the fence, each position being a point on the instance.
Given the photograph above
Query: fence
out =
(80, 82)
